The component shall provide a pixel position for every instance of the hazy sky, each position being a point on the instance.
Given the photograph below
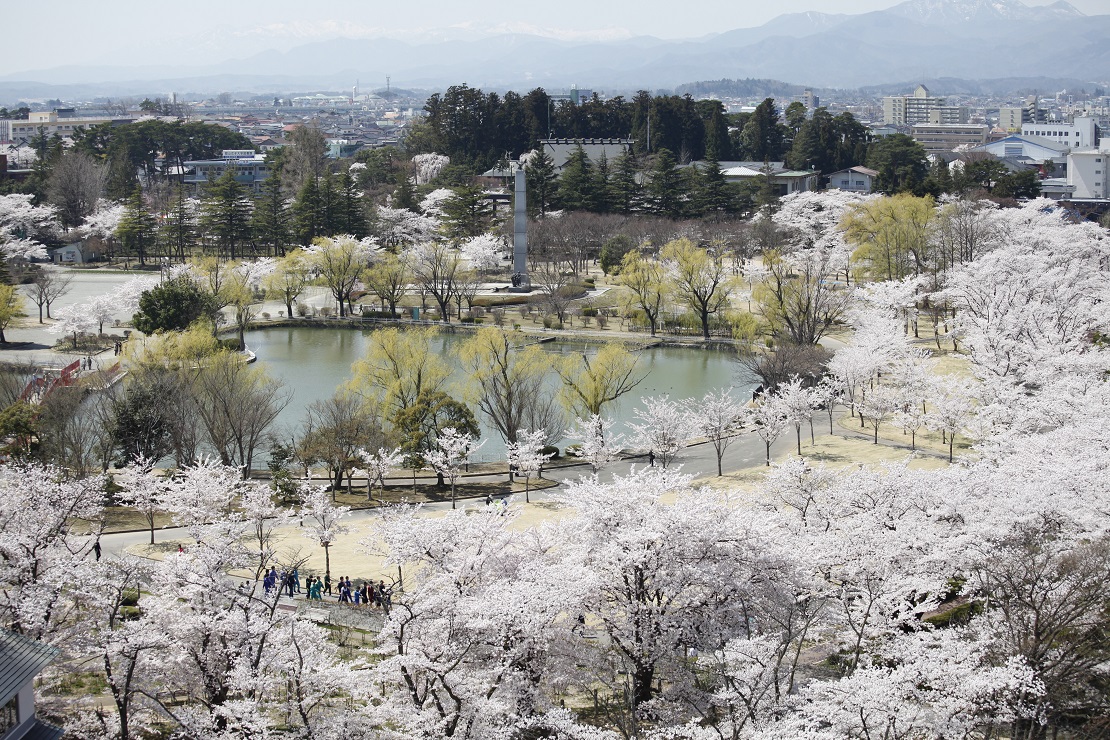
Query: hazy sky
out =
(194, 32)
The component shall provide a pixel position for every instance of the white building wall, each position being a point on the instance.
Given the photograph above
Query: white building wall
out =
(1077, 135)
(1088, 173)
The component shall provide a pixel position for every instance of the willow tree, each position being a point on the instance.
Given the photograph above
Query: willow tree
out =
(398, 367)
(589, 383)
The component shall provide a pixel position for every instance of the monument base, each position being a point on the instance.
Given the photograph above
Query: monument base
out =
(519, 289)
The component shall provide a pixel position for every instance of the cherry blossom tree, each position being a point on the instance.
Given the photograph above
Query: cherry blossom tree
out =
(378, 465)
(75, 320)
(599, 446)
(526, 455)
(142, 490)
(199, 498)
(879, 405)
(321, 519)
(40, 549)
(798, 404)
(426, 167)
(768, 418)
(483, 252)
(396, 227)
(663, 427)
(951, 408)
(472, 644)
(452, 452)
(718, 417)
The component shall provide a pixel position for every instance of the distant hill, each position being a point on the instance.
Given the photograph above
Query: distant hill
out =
(915, 40)
(740, 89)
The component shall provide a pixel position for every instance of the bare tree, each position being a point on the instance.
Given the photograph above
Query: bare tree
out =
(436, 266)
(76, 183)
(46, 287)
(237, 403)
(556, 289)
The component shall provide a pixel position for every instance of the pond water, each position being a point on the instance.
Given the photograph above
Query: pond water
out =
(313, 362)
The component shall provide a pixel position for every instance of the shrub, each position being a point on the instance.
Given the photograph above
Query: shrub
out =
(574, 450)
(302, 309)
(265, 315)
(325, 311)
(550, 450)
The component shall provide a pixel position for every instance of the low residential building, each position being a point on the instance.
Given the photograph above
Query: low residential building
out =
(250, 169)
(784, 181)
(946, 137)
(1081, 133)
(853, 179)
(21, 659)
(1088, 174)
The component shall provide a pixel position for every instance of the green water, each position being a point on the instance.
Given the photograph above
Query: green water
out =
(313, 362)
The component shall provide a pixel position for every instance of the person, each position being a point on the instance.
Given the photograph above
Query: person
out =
(356, 596)
(651, 458)
(96, 548)
(344, 592)
(180, 550)
(327, 583)
(296, 580)
(365, 594)
(489, 499)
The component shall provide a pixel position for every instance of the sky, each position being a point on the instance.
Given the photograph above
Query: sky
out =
(143, 32)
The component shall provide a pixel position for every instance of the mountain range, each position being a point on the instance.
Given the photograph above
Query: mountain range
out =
(917, 39)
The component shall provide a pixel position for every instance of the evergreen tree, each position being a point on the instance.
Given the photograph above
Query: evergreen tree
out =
(465, 214)
(624, 192)
(178, 232)
(763, 136)
(330, 204)
(226, 215)
(939, 180)
(404, 196)
(270, 222)
(713, 194)
(542, 182)
(665, 189)
(901, 163)
(351, 212)
(576, 183)
(308, 212)
(600, 185)
(137, 228)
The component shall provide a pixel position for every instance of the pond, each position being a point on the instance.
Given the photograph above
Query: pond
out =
(313, 362)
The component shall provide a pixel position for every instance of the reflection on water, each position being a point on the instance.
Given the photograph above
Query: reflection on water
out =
(313, 362)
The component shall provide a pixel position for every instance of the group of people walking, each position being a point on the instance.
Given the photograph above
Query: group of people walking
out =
(288, 583)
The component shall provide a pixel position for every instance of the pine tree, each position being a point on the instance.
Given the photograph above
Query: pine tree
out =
(137, 228)
(308, 212)
(404, 196)
(541, 181)
(351, 212)
(713, 194)
(666, 189)
(226, 215)
(178, 232)
(270, 222)
(576, 183)
(465, 214)
(624, 192)
(602, 203)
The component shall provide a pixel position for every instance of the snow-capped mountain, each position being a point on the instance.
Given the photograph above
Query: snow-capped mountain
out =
(944, 12)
